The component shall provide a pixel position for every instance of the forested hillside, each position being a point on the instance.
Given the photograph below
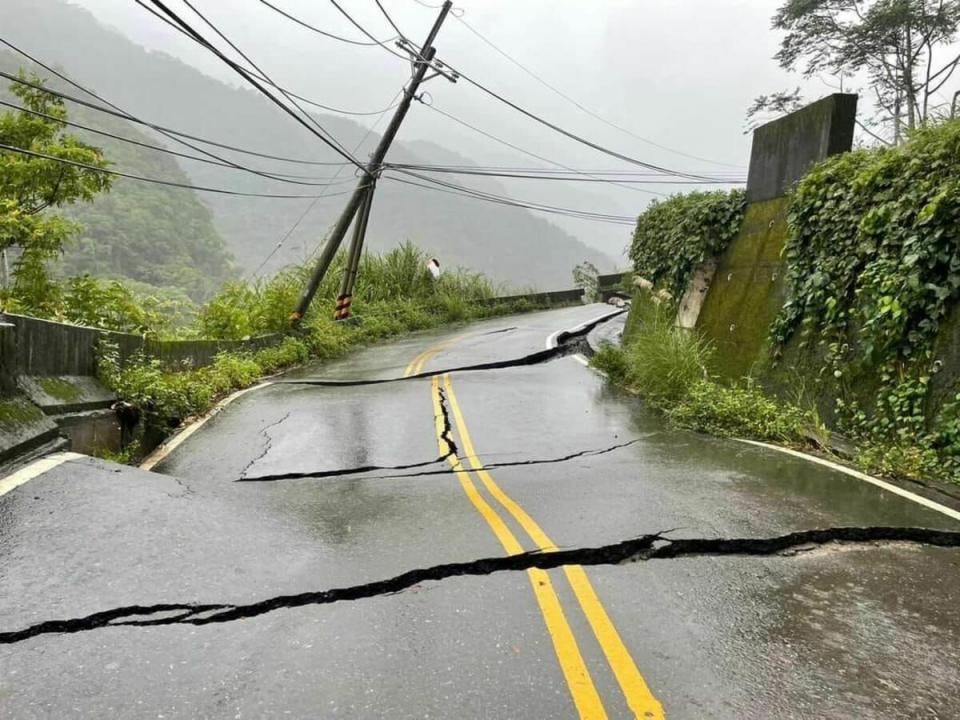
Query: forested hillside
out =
(154, 234)
(511, 245)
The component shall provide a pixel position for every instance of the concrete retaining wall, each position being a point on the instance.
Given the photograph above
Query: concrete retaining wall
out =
(36, 347)
(48, 380)
(612, 284)
(747, 289)
(785, 149)
(556, 297)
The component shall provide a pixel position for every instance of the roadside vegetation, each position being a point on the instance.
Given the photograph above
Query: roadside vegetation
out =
(670, 368)
(395, 292)
(873, 282)
(396, 295)
(874, 278)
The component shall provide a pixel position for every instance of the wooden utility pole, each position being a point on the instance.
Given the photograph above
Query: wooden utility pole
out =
(421, 63)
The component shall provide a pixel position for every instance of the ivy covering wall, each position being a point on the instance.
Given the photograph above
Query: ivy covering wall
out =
(869, 331)
(873, 272)
(675, 236)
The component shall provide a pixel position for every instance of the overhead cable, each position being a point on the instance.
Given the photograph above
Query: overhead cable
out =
(156, 181)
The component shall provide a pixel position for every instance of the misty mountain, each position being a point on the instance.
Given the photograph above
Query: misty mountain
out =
(511, 245)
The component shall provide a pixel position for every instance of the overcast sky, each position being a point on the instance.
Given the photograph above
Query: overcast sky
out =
(679, 73)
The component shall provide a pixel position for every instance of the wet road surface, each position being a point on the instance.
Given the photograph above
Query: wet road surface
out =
(411, 475)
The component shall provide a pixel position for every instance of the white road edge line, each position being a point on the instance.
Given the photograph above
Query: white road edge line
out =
(177, 440)
(35, 470)
(860, 476)
(919, 499)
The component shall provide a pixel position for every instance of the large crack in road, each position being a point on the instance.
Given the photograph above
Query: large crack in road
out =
(645, 548)
(362, 469)
(568, 343)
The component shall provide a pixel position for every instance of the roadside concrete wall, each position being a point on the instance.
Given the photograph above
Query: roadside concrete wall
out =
(48, 384)
(44, 347)
(785, 149)
(613, 284)
(747, 289)
(556, 297)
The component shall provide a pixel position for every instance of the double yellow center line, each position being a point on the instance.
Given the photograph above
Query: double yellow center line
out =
(416, 365)
(637, 694)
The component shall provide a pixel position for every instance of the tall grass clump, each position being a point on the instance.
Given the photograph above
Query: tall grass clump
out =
(395, 283)
(661, 362)
(670, 368)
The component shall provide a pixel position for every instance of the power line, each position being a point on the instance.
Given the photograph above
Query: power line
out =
(529, 153)
(587, 110)
(253, 81)
(146, 145)
(573, 214)
(117, 111)
(505, 200)
(312, 205)
(390, 19)
(261, 76)
(266, 78)
(156, 181)
(307, 25)
(551, 171)
(362, 29)
(554, 176)
(571, 135)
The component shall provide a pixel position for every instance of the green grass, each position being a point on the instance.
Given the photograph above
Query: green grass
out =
(167, 397)
(670, 368)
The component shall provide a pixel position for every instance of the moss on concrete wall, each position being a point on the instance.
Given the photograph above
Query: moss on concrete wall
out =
(16, 411)
(60, 389)
(747, 291)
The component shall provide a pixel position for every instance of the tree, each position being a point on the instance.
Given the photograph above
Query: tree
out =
(30, 186)
(896, 46)
(586, 276)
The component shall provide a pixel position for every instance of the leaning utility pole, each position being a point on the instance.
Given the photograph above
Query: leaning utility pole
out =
(421, 62)
(345, 298)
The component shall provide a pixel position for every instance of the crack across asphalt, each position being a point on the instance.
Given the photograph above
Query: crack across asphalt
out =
(320, 474)
(267, 445)
(447, 433)
(645, 548)
(568, 343)
(536, 358)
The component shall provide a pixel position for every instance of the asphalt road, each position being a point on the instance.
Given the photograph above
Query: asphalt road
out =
(405, 476)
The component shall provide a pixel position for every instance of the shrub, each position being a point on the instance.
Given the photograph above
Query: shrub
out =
(669, 368)
(663, 361)
(873, 269)
(741, 410)
(674, 236)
